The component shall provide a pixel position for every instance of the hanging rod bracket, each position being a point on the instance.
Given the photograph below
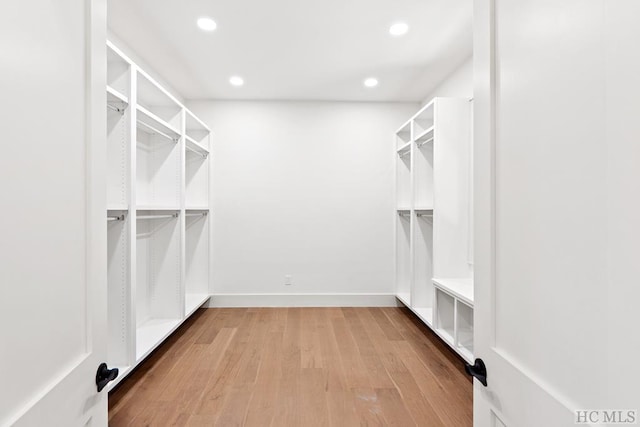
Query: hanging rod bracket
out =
(117, 109)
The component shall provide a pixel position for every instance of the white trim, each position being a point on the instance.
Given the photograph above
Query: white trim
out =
(302, 300)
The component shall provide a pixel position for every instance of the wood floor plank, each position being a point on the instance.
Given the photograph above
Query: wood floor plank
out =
(314, 406)
(263, 404)
(378, 375)
(355, 372)
(295, 367)
(311, 354)
(368, 407)
(393, 408)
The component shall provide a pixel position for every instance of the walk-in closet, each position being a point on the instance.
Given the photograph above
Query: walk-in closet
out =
(338, 213)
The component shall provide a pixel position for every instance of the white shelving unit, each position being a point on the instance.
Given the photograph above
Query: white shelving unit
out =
(434, 269)
(159, 234)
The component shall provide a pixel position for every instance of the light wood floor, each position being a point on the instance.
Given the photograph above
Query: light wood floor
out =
(297, 367)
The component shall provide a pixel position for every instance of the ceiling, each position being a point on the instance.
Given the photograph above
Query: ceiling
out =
(298, 49)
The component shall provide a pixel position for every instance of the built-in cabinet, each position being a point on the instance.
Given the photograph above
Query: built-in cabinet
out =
(158, 217)
(434, 256)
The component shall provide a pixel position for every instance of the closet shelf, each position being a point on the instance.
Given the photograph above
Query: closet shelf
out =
(151, 93)
(157, 208)
(123, 371)
(425, 137)
(115, 97)
(426, 113)
(462, 289)
(195, 147)
(404, 130)
(466, 354)
(404, 149)
(117, 207)
(192, 120)
(404, 298)
(192, 302)
(151, 333)
(153, 124)
(424, 313)
(446, 335)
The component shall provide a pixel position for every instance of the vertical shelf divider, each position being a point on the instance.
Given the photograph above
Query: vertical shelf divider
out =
(183, 211)
(133, 213)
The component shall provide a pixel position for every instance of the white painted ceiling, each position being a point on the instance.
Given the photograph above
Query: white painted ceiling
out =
(298, 49)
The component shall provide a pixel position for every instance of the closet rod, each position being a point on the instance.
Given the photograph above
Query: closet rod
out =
(204, 155)
(403, 213)
(196, 214)
(115, 218)
(175, 215)
(420, 144)
(426, 215)
(140, 122)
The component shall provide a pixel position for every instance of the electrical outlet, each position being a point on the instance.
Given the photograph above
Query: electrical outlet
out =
(288, 280)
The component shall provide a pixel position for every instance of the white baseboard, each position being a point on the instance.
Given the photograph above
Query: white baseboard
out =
(302, 300)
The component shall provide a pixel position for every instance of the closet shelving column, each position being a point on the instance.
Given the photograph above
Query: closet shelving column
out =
(198, 242)
(404, 157)
(422, 131)
(120, 228)
(434, 270)
(158, 213)
(158, 189)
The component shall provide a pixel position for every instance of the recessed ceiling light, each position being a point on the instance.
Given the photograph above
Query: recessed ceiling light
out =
(236, 81)
(399, 29)
(371, 82)
(207, 24)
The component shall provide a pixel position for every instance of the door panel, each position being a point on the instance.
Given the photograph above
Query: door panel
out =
(554, 190)
(549, 185)
(53, 259)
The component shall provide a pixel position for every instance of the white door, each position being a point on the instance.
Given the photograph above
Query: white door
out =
(53, 226)
(557, 178)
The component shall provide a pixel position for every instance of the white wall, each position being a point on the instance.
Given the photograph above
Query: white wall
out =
(306, 189)
(458, 84)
